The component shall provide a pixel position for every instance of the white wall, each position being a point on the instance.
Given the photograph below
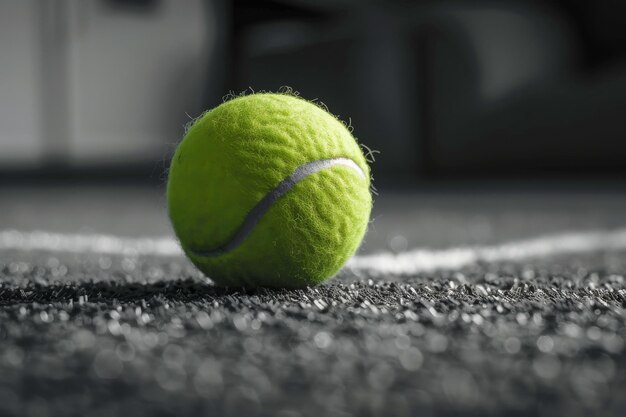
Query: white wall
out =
(85, 81)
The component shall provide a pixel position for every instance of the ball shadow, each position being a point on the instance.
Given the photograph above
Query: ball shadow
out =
(184, 290)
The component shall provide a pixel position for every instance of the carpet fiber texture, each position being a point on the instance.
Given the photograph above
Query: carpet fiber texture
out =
(109, 335)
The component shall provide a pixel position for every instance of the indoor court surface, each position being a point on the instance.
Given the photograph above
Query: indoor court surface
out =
(496, 302)
(490, 135)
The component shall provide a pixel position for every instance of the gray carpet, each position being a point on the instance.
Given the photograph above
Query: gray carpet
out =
(108, 335)
(112, 336)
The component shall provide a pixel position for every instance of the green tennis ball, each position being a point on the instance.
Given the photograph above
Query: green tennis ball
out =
(269, 190)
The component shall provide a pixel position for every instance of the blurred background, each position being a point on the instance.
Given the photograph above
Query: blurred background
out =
(491, 280)
(440, 89)
(98, 92)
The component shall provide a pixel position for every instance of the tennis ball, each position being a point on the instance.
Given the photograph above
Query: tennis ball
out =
(269, 190)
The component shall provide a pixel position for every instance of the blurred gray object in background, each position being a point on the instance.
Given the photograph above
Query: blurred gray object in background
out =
(20, 131)
(476, 59)
(445, 89)
(355, 59)
(407, 75)
(525, 104)
(441, 89)
(95, 82)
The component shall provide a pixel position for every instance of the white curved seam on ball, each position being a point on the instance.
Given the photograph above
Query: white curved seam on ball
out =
(258, 211)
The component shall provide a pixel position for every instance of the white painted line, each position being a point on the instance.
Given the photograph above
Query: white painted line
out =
(410, 262)
(424, 260)
(88, 243)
